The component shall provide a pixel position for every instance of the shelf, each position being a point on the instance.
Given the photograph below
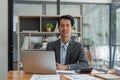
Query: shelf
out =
(32, 49)
(45, 32)
(39, 32)
(34, 23)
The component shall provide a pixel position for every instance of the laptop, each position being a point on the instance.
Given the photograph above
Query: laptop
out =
(39, 62)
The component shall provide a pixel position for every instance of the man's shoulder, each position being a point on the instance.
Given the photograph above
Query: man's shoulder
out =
(75, 42)
(54, 42)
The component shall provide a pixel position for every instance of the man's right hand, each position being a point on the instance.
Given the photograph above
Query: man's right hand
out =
(61, 67)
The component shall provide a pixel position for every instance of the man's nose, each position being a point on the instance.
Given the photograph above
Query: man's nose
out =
(65, 27)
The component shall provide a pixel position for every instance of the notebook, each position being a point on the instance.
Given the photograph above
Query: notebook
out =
(40, 62)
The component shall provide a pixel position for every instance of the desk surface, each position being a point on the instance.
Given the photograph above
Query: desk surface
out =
(20, 75)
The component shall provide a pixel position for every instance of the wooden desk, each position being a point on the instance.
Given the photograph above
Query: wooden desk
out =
(20, 75)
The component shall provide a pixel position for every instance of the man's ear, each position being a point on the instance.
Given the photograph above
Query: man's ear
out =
(72, 27)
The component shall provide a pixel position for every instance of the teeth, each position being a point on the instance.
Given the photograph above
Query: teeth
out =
(64, 32)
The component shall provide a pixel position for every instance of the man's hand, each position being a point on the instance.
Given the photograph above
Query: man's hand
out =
(61, 67)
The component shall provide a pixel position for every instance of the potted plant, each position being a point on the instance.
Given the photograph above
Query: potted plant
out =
(49, 27)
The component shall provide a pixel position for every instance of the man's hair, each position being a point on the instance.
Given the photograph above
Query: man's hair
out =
(66, 17)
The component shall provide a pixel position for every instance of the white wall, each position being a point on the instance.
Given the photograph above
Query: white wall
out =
(3, 39)
(25, 9)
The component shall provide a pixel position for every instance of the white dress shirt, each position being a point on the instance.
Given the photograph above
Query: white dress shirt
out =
(63, 52)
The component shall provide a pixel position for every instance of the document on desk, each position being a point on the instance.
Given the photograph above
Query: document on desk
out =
(96, 72)
(81, 77)
(108, 76)
(45, 77)
(65, 71)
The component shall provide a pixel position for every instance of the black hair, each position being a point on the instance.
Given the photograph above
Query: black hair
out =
(67, 17)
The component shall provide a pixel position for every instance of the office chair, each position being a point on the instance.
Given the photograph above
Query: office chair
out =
(89, 56)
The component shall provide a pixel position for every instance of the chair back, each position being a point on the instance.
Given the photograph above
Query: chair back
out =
(89, 56)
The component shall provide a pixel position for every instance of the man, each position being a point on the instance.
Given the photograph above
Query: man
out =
(69, 53)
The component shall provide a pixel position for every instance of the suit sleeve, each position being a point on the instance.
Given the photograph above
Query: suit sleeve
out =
(81, 60)
(48, 47)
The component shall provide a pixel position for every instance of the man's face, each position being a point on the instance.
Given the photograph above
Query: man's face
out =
(65, 27)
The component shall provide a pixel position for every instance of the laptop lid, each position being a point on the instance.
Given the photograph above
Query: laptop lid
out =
(41, 62)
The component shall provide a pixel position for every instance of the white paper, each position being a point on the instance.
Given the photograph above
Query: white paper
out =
(117, 70)
(45, 77)
(65, 71)
(108, 76)
(81, 77)
(25, 44)
(95, 71)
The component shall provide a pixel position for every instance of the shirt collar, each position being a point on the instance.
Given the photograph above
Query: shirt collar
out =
(64, 44)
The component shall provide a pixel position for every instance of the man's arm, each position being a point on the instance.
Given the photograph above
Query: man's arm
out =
(81, 60)
(49, 46)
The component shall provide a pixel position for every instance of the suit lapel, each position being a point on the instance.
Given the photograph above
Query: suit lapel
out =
(57, 48)
(69, 50)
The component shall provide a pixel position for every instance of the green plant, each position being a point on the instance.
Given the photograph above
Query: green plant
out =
(49, 25)
(74, 27)
(88, 41)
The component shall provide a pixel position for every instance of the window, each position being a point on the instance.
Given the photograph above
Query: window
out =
(96, 33)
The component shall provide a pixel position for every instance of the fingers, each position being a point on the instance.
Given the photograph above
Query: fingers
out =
(57, 64)
(61, 67)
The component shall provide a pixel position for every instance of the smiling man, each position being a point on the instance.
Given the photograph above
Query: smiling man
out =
(69, 53)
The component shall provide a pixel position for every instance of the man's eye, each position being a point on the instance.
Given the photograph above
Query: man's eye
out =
(62, 25)
(68, 25)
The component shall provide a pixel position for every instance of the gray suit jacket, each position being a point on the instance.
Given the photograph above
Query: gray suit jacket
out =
(75, 56)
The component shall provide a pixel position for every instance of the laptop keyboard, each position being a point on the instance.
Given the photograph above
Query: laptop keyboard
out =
(45, 77)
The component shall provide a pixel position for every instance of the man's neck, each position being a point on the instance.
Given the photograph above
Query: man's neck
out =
(65, 39)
